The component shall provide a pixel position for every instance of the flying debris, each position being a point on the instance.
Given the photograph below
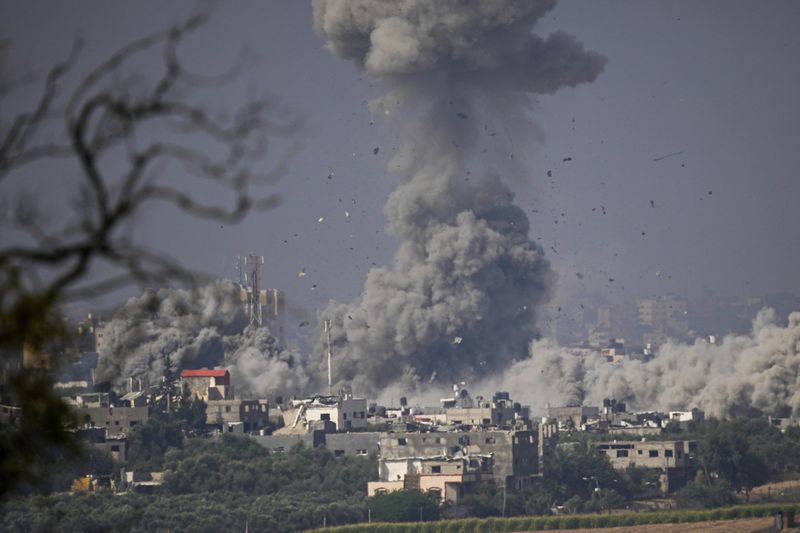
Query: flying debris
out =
(457, 340)
(313, 287)
(347, 214)
(302, 273)
(549, 173)
(652, 203)
(611, 280)
(566, 159)
(302, 324)
(659, 158)
(331, 175)
(376, 150)
(320, 219)
(462, 115)
(579, 275)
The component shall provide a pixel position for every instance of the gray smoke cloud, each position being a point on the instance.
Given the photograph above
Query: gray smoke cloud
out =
(462, 295)
(760, 370)
(168, 330)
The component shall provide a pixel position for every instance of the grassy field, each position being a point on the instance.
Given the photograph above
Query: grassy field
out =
(737, 518)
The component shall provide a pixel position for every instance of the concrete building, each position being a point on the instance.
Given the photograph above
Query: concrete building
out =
(117, 420)
(115, 446)
(225, 414)
(446, 477)
(573, 416)
(674, 459)
(514, 454)
(361, 444)
(344, 411)
(501, 411)
(208, 384)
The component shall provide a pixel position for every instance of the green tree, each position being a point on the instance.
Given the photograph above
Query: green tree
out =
(404, 506)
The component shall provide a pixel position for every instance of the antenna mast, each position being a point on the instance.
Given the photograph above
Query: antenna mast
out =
(330, 374)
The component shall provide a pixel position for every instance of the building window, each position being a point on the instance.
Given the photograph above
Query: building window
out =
(653, 453)
(436, 470)
(622, 453)
(401, 441)
(344, 416)
(680, 454)
(133, 423)
(361, 452)
(338, 453)
(487, 421)
(639, 452)
(227, 408)
(116, 422)
(325, 416)
(489, 440)
(667, 453)
(115, 447)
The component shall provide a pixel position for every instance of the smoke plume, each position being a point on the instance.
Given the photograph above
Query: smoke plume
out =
(462, 295)
(760, 371)
(162, 332)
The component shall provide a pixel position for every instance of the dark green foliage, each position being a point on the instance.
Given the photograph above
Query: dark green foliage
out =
(149, 442)
(705, 494)
(217, 485)
(404, 506)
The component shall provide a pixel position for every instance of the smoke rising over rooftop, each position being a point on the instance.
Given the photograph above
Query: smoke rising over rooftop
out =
(162, 332)
(462, 295)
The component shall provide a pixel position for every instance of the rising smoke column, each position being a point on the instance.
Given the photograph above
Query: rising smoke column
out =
(162, 332)
(760, 371)
(462, 295)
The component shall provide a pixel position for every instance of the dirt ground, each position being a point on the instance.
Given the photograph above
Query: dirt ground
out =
(745, 525)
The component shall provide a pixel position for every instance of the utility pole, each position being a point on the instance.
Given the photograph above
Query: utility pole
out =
(327, 324)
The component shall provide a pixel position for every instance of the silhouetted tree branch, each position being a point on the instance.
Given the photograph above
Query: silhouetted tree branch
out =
(142, 126)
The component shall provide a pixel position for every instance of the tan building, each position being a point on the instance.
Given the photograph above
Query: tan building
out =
(673, 458)
(447, 478)
(208, 384)
(226, 414)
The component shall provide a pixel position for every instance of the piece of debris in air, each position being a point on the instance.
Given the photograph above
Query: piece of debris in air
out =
(376, 150)
(553, 248)
(652, 203)
(549, 173)
(672, 154)
(302, 324)
(433, 377)
(331, 175)
(302, 273)
(462, 115)
(709, 193)
(347, 214)
(457, 340)
(611, 280)
(320, 219)
(566, 159)
(579, 275)
(313, 287)
(643, 233)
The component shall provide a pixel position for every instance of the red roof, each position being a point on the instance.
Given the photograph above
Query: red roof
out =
(205, 373)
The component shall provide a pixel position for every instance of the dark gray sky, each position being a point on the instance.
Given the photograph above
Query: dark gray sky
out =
(714, 82)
